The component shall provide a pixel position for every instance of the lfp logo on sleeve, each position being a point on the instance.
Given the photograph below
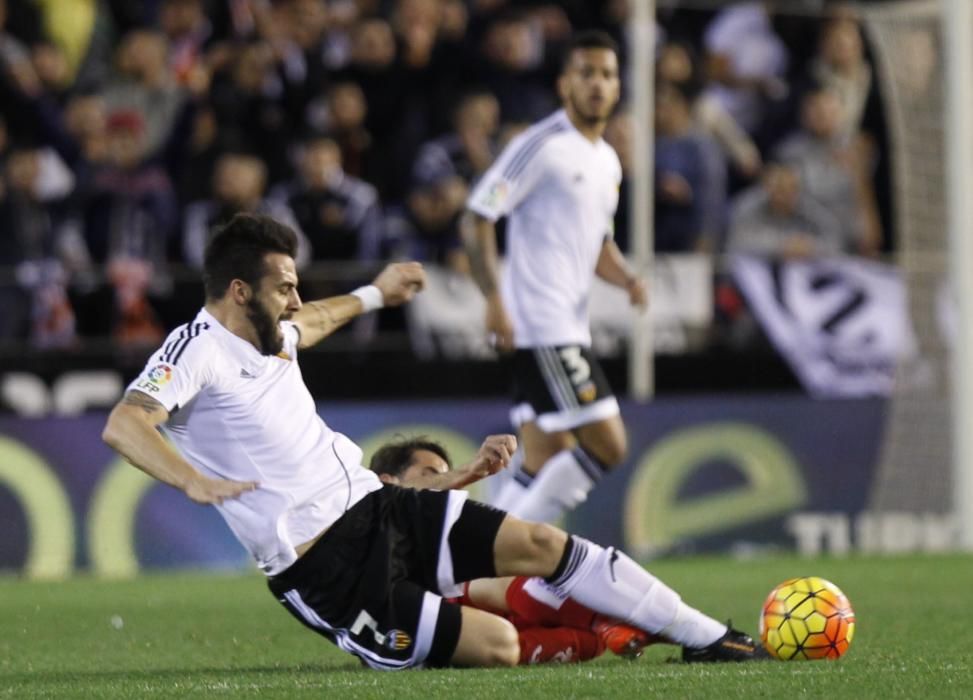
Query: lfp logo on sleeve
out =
(156, 378)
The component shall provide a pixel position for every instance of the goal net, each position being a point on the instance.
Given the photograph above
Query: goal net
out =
(916, 478)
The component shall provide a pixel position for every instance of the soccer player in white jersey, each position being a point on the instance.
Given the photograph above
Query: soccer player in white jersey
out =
(557, 184)
(365, 565)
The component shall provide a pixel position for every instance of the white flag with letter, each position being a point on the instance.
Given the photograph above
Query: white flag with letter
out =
(841, 323)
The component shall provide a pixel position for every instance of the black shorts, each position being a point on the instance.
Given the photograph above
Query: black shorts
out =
(374, 582)
(560, 387)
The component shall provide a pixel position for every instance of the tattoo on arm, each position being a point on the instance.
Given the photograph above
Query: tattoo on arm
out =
(325, 319)
(142, 400)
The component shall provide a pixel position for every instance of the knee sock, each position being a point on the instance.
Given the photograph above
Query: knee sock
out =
(515, 484)
(608, 581)
(557, 645)
(560, 486)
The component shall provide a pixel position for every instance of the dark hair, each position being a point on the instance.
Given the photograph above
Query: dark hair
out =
(236, 251)
(588, 39)
(395, 457)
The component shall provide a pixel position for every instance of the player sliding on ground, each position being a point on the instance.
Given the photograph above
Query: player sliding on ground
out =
(551, 628)
(366, 565)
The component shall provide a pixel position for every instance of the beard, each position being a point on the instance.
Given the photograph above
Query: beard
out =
(591, 117)
(268, 332)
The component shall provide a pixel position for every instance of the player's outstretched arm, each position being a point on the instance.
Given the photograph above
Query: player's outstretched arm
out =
(131, 431)
(494, 454)
(613, 268)
(480, 240)
(397, 284)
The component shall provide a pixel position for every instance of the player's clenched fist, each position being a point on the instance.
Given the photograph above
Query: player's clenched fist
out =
(399, 282)
(494, 454)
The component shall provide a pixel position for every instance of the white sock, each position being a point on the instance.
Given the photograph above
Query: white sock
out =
(515, 484)
(561, 485)
(609, 582)
(540, 590)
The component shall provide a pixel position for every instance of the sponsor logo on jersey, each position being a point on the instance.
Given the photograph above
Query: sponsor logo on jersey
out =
(497, 194)
(160, 375)
(398, 640)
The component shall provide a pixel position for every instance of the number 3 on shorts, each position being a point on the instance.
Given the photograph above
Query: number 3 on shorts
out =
(577, 367)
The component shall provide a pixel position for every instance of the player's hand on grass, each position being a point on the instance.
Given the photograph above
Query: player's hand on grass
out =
(494, 454)
(213, 491)
(399, 282)
(499, 327)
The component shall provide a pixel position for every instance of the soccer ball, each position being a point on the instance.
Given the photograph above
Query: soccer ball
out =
(806, 618)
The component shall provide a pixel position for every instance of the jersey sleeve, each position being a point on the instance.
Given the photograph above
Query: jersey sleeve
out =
(176, 372)
(509, 180)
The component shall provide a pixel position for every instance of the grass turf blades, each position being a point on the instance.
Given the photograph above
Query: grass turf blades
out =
(212, 635)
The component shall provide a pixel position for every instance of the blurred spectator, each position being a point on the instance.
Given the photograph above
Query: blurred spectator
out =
(187, 30)
(677, 66)
(239, 183)
(512, 70)
(129, 211)
(347, 112)
(746, 61)
(204, 146)
(45, 248)
(841, 67)
(144, 84)
(469, 149)
(427, 227)
(51, 67)
(690, 177)
(366, 109)
(339, 214)
(777, 218)
(249, 103)
(85, 120)
(834, 170)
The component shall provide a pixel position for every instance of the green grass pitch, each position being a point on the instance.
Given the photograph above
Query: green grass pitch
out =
(223, 636)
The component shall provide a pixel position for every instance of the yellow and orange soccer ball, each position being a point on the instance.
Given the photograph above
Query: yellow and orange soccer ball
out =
(807, 618)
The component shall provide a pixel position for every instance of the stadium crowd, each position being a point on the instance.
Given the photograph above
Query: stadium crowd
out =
(129, 129)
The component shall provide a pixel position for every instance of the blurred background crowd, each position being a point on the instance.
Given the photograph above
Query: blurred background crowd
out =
(129, 128)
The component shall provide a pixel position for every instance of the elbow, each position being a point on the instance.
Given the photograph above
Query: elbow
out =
(111, 434)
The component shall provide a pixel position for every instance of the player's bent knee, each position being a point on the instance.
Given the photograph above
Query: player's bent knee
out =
(606, 442)
(486, 640)
(614, 454)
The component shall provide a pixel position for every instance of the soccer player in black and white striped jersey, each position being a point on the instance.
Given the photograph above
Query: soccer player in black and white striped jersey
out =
(557, 183)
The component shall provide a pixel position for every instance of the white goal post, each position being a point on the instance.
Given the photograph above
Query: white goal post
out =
(957, 16)
(641, 77)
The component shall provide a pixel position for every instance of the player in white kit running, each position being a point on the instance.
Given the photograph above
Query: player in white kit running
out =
(557, 184)
(365, 565)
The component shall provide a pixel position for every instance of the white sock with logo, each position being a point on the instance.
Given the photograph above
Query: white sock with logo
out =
(608, 581)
